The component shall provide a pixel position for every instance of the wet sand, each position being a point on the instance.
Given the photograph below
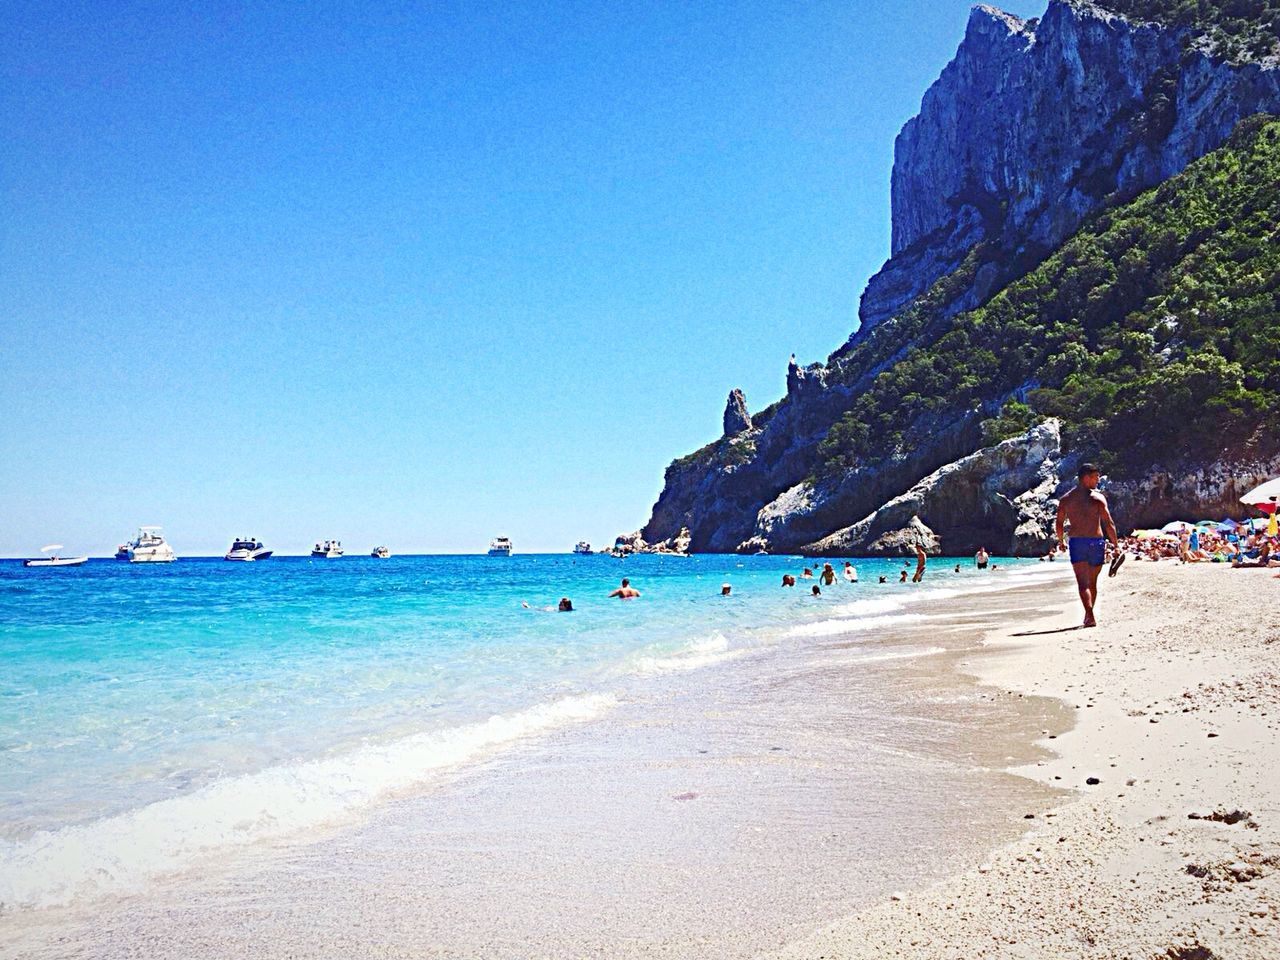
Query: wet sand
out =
(724, 812)
(1174, 851)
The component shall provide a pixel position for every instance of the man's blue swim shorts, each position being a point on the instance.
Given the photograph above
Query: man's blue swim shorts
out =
(1090, 550)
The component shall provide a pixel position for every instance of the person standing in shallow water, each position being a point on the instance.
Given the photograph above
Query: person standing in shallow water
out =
(1086, 510)
(921, 559)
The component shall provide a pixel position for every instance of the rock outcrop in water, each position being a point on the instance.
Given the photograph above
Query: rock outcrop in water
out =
(1028, 133)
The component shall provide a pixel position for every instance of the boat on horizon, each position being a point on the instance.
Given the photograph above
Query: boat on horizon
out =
(382, 553)
(247, 549)
(500, 547)
(328, 548)
(54, 560)
(150, 547)
(583, 548)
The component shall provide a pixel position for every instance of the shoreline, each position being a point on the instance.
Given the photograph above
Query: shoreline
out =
(797, 765)
(1175, 850)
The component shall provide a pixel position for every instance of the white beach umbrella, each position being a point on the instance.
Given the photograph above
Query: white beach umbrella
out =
(1263, 497)
(1174, 526)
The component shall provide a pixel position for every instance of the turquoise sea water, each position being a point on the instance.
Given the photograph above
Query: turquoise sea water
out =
(151, 714)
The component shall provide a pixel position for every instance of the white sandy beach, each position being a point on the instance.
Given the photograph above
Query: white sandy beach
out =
(1175, 852)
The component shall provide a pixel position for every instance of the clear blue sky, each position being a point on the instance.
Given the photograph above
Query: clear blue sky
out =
(420, 274)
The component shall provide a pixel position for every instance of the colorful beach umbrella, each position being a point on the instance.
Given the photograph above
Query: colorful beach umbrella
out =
(1264, 497)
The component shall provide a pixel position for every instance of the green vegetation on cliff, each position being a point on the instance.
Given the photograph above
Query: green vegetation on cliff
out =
(1155, 329)
(1236, 29)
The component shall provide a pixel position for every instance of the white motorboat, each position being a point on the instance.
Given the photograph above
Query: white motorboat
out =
(500, 547)
(53, 560)
(247, 549)
(382, 553)
(150, 547)
(583, 548)
(327, 548)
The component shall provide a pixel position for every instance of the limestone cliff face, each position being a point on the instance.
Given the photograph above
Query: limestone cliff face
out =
(1003, 498)
(1036, 124)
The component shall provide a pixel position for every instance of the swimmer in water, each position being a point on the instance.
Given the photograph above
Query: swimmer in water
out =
(816, 591)
(626, 591)
(564, 606)
(828, 575)
(807, 574)
(788, 580)
(725, 590)
(903, 578)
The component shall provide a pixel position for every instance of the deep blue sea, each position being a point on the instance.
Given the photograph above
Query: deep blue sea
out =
(152, 713)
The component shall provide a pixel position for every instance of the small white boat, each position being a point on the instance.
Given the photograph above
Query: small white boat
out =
(583, 548)
(150, 547)
(327, 548)
(247, 549)
(53, 560)
(382, 553)
(500, 547)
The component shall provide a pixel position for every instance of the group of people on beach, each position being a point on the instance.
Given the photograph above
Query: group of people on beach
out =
(1094, 543)
(1240, 547)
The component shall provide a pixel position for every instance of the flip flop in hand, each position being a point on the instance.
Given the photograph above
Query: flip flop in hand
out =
(1116, 563)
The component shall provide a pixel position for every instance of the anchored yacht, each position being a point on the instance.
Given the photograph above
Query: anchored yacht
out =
(53, 560)
(247, 549)
(583, 548)
(382, 553)
(150, 547)
(327, 548)
(500, 547)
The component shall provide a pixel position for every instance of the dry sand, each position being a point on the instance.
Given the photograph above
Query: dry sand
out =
(1175, 851)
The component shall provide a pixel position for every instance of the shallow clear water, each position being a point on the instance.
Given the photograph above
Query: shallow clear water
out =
(149, 714)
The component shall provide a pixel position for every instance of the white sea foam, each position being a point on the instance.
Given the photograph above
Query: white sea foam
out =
(827, 628)
(862, 614)
(694, 655)
(121, 853)
(871, 605)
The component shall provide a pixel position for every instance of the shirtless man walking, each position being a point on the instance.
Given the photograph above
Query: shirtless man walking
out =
(1086, 510)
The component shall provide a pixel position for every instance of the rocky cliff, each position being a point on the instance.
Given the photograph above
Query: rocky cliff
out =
(1029, 281)
(1036, 124)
